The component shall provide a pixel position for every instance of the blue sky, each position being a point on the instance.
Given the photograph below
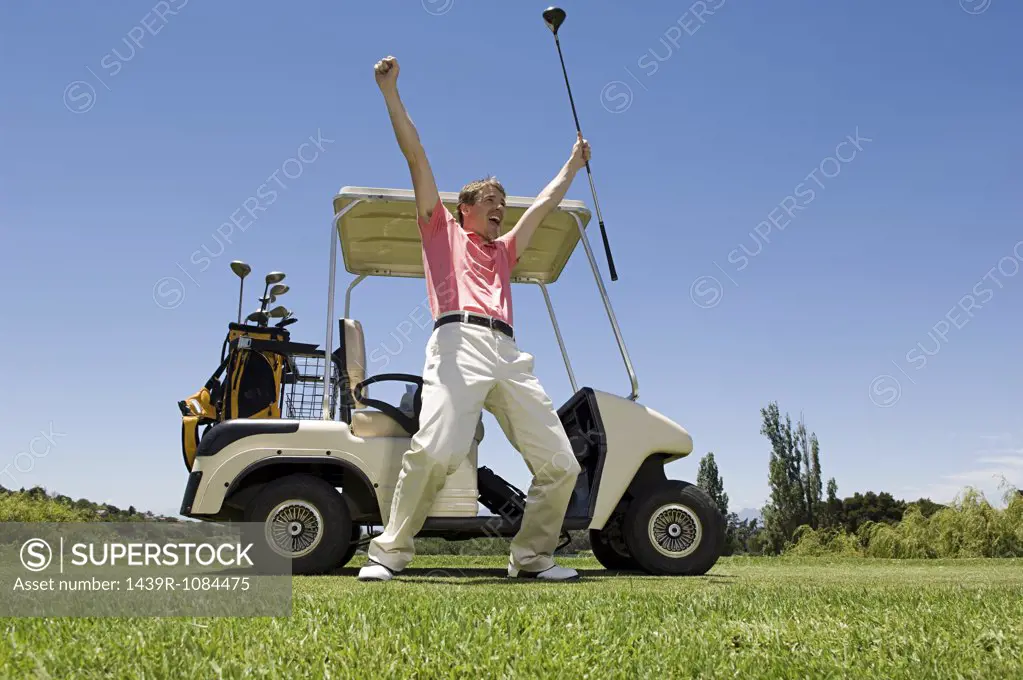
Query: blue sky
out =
(802, 199)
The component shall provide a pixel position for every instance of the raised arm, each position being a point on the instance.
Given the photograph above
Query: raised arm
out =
(423, 182)
(549, 198)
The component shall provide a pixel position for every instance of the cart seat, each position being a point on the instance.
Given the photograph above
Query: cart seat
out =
(369, 423)
(370, 417)
(387, 420)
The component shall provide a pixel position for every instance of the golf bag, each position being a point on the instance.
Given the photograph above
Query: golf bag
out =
(254, 359)
(498, 496)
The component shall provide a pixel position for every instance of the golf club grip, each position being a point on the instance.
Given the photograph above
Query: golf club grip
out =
(607, 248)
(600, 221)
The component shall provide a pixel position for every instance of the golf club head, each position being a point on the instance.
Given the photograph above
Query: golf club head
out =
(279, 289)
(278, 312)
(242, 270)
(286, 322)
(257, 317)
(554, 17)
(274, 277)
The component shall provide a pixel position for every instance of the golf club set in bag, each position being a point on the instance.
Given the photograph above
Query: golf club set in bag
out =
(259, 361)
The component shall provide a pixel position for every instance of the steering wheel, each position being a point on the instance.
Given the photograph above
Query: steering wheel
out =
(411, 425)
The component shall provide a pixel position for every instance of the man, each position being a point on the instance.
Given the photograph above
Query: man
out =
(472, 361)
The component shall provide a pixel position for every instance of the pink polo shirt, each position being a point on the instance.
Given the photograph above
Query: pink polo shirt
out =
(464, 272)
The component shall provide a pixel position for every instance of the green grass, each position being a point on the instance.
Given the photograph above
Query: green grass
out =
(750, 617)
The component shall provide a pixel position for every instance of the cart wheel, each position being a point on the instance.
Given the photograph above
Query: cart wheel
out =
(676, 530)
(609, 546)
(305, 520)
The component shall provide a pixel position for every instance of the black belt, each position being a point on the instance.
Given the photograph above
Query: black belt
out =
(476, 320)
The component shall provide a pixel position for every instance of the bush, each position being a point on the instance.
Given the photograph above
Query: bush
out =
(18, 507)
(969, 527)
(817, 543)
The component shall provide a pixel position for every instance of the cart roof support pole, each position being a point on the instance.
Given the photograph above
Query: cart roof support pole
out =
(557, 332)
(348, 294)
(330, 307)
(607, 305)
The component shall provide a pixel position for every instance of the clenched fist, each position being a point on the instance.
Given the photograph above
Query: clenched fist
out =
(580, 153)
(386, 71)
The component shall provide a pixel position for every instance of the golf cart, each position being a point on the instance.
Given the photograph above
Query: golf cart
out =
(321, 469)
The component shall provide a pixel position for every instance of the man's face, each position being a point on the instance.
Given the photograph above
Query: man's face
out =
(485, 217)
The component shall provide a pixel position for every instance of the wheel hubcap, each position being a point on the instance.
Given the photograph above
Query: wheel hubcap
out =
(294, 528)
(675, 530)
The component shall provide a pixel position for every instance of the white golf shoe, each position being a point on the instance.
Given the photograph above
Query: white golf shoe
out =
(554, 573)
(374, 571)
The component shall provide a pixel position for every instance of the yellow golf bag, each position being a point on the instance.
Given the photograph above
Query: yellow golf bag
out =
(254, 359)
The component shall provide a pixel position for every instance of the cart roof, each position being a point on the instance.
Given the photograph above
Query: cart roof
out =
(380, 235)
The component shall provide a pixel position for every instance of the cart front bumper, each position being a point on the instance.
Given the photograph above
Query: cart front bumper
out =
(194, 479)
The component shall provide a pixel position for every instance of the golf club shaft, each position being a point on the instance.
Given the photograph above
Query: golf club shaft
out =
(240, 291)
(589, 173)
(265, 297)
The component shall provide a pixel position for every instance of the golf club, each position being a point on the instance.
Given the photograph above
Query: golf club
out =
(259, 317)
(271, 278)
(554, 17)
(242, 270)
(279, 312)
(279, 289)
(287, 320)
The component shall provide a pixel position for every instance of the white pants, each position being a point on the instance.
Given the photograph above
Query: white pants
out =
(469, 368)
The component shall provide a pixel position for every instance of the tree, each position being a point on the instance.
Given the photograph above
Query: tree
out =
(808, 449)
(928, 507)
(709, 479)
(870, 507)
(852, 512)
(794, 476)
(803, 454)
(741, 535)
(737, 533)
(815, 477)
(784, 510)
(833, 507)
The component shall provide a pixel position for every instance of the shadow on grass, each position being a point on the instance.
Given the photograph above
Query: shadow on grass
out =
(480, 576)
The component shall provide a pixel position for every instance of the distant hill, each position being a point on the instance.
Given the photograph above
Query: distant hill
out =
(39, 505)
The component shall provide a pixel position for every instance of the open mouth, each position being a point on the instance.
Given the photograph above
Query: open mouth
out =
(495, 220)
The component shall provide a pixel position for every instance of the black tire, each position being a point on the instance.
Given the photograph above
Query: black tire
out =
(609, 547)
(312, 507)
(675, 530)
(353, 546)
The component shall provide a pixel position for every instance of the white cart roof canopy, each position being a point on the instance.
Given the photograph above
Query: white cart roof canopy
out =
(380, 235)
